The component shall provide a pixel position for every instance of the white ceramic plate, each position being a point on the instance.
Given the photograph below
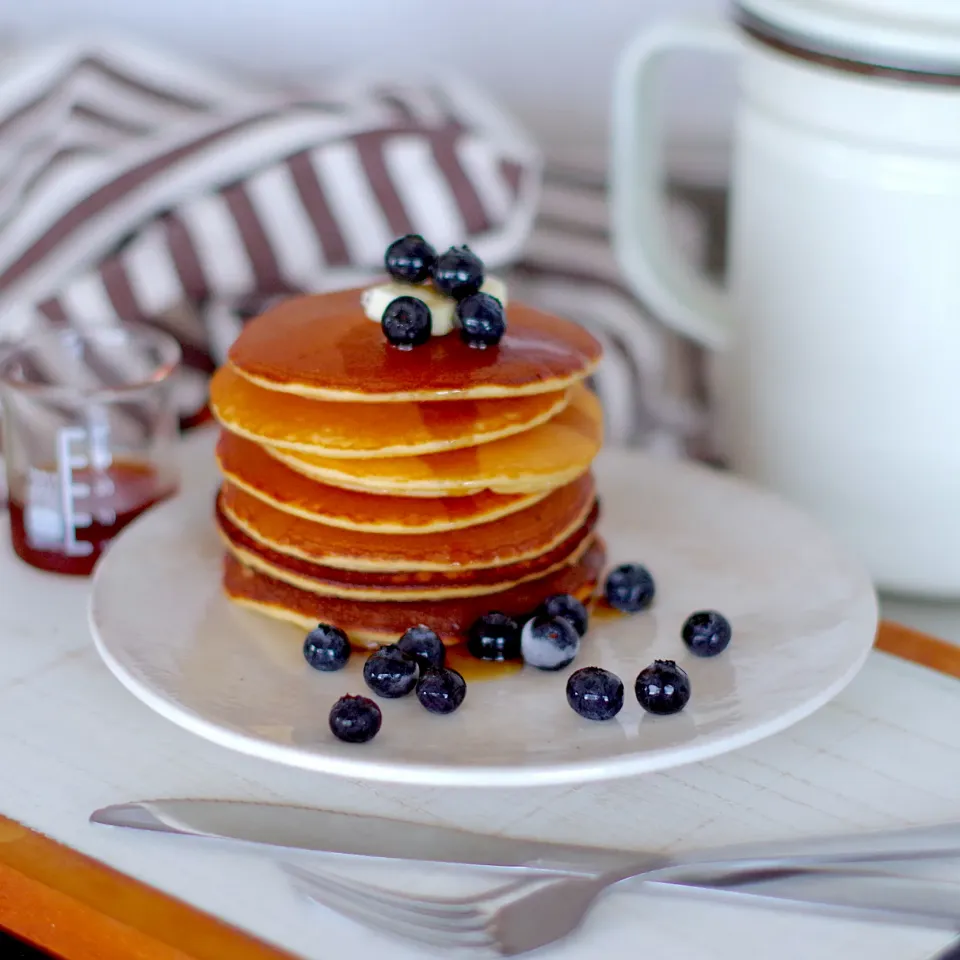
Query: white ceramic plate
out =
(803, 616)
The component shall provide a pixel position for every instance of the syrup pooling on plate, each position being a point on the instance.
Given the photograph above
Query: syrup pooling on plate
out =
(602, 611)
(480, 671)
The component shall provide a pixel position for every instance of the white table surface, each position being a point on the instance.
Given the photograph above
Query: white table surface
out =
(885, 753)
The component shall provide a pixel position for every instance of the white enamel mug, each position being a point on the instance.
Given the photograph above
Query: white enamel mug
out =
(839, 330)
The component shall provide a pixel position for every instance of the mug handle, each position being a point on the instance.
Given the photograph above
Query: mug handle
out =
(678, 294)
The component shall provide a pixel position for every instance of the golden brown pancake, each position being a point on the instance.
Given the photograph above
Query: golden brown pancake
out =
(254, 471)
(542, 458)
(400, 587)
(364, 430)
(517, 537)
(368, 624)
(325, 348)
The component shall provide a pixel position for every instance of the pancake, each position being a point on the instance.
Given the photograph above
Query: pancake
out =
(324, 347)
(254, 471)
(517, 537)
(363, 430)
(368, 624)
(542, 458)
(401, 587)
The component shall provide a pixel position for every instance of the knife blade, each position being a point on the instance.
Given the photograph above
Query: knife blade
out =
(327, 831)
(307, 828)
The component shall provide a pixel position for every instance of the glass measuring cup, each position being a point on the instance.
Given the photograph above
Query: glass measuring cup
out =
(89, 428)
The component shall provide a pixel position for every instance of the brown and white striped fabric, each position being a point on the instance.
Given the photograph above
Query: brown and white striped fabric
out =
(134, 186)
(650, 381)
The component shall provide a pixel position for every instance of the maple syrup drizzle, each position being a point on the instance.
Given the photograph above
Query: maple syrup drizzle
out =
(480, 671)
(602, 611)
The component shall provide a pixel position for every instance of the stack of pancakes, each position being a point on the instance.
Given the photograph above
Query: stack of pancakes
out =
(376, 488)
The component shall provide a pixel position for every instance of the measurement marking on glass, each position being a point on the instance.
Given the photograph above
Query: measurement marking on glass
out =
(67, 462)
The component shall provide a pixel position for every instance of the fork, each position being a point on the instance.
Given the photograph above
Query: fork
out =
(523, 915)
(513, 918)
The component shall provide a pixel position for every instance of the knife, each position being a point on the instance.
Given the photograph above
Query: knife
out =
(327, 831)
(306, 828)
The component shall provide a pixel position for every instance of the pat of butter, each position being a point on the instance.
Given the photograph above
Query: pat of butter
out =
(375, 300)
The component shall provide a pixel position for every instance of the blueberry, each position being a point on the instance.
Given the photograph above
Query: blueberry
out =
(458, 273)
(355, 719)
(326, 648)
(420, 643)
(406, 322)
(390, 673)
(549, 643)
(707, 633)
(410, 259)
(595, 693)
(495, 636)
(567, 606)
(629, 588)
(481, 320)
(441, 691)
(663, 688)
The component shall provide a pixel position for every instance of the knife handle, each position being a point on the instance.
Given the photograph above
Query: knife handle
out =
(912, 843)
(909, 901)
(941, 841)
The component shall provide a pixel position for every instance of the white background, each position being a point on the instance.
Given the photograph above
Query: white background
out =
(550, 61)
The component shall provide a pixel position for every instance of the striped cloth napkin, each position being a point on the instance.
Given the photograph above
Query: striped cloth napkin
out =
(137, 186)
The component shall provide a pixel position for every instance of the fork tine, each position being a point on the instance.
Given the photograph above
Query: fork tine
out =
(412, 931)
(357, 895)
(372, 898)
(466, 906)
(470, 902)
(402, 931)
(507, 923)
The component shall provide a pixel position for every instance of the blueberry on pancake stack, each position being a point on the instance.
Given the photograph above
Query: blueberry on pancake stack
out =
(413, 453)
